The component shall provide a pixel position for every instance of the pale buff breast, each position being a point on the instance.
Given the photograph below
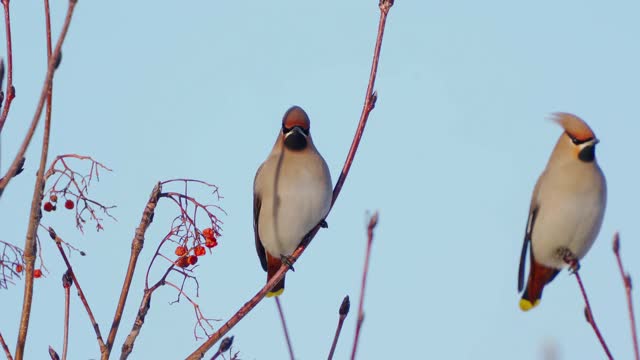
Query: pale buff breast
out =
(296, 195)
(570, 214)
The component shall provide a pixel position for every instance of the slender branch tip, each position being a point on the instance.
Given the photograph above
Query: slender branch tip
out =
(345, 306)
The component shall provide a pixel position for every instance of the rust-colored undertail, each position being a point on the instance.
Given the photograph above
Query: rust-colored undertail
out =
(539, 276)
(273, 265)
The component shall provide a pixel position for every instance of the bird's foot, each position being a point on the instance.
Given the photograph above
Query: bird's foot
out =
(287, 260)
(323, 224)
(568, 257)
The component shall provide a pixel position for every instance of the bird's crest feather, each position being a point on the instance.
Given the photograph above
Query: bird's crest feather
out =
(574, 126)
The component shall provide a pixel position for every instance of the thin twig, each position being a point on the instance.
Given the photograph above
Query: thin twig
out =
(285, 329)
(136, 247)
(19, 158)
(81, 295)
(344, 310)
(626, 279)
(7, 352)
(10, 94)
(573, 264)
(370, 99)
(145, 305)
(373, 221)
(67, 280)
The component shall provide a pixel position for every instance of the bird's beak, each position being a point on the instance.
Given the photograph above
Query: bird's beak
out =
(296, 130)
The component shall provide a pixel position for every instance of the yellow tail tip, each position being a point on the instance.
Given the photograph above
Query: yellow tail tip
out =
(526, 305)
(275, 293)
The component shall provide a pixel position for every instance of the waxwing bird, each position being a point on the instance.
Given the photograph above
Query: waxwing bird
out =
(566, 211)
(292, 194)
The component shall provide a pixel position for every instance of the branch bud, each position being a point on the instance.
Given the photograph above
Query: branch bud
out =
(225, 344)
(616, 243)
(344, 307)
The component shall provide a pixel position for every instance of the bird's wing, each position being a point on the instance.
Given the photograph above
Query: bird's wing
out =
(531, 220)
(257, 202)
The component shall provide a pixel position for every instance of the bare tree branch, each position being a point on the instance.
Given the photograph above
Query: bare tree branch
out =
(284, 328)
(81, 295)
(626, 279)
(342, 312)
(11, 93)
(575, 265)
(52, 65)
(373, 221)
(136, 247)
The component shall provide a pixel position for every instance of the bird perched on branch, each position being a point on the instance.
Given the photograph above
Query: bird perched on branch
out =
(292, 194)
(566, 211)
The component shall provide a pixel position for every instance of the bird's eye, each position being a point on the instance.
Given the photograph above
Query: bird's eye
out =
(577, 141)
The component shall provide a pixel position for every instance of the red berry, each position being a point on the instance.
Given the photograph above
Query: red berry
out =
(53, 197)
(37, 273)
(181, 251)
(68, 204)
(48, 206)
(182, 262)
(192, 259)
(199, 250)
(18, 268)
(211, 243)
(208, 233)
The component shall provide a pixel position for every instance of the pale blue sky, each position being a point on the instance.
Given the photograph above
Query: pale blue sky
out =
(158, 90)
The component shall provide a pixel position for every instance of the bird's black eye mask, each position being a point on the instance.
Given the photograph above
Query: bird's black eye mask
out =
(295, 140)
(577, 141)
(286, 130)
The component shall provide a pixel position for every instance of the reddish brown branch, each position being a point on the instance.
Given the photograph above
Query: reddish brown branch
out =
(285, 329)
(342, 312)
(75, 282)
(370, 98)
(626, 279)
(67, 280)
(30, 247)
(10, 93)
(7, 352)
(145, 305)
(373, 221)
(19, 158)
(136, 247)
(573, 264)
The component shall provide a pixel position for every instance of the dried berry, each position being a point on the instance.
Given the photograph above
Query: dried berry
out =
(68, 204)
(199, 250)
(181, 251)
(48, 206)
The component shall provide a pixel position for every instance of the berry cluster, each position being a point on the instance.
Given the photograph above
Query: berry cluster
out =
(36, 273)
(53, 201)
(184, 259)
